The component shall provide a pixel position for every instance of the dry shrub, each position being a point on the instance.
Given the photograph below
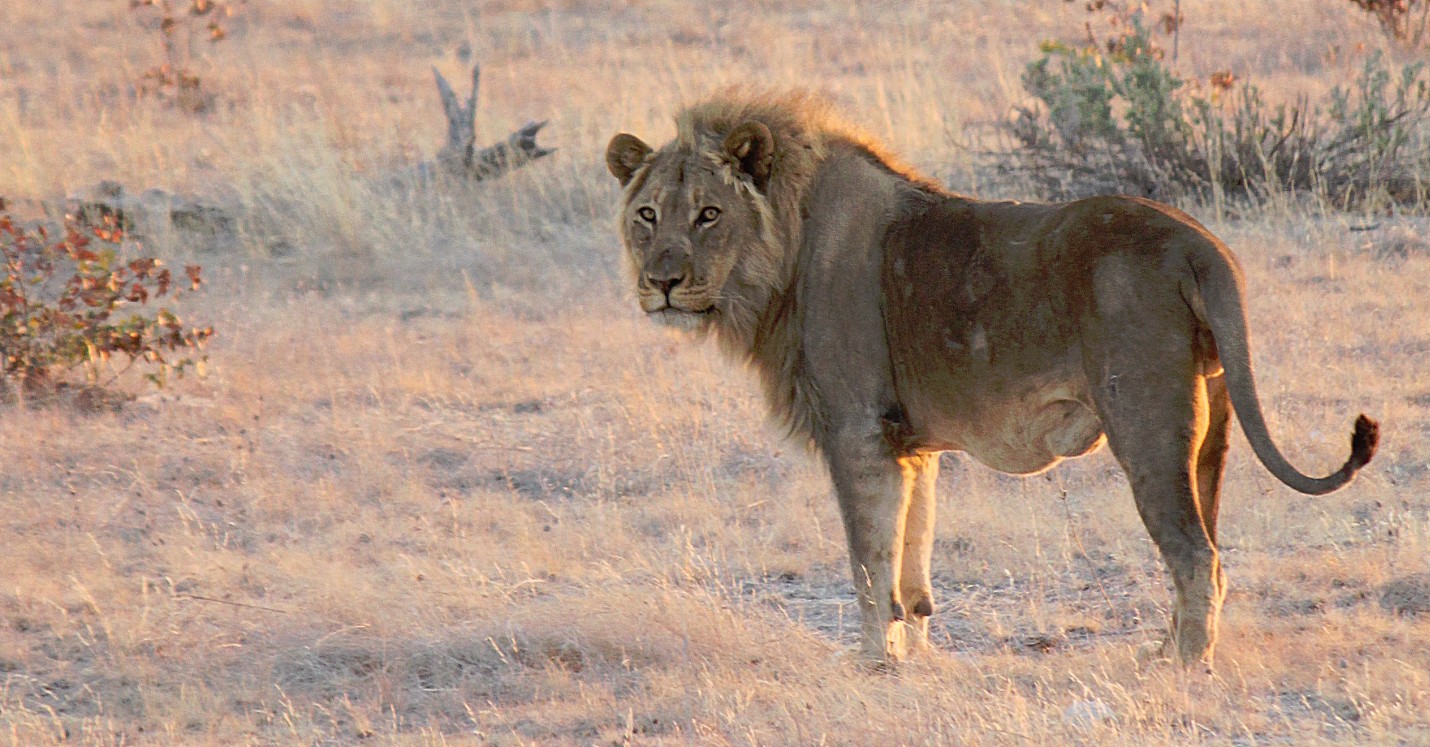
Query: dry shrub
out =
(1405, 22)
(64, 304)
(177, 26)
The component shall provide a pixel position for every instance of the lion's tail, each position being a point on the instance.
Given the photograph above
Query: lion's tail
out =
(1223, 297)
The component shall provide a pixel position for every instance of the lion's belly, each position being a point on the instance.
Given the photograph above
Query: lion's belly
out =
(1019, 435)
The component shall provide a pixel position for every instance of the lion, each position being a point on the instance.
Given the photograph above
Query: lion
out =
(890, 319)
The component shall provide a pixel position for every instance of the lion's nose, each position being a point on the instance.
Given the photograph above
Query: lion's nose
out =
(667, 270)
(666, 284)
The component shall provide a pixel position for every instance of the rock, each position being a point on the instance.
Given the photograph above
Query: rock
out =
(1085, 714)
(147, 213)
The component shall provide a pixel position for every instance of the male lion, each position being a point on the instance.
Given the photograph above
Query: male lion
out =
(890, 320)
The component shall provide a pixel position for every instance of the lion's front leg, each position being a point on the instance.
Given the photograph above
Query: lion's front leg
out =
(873, 487)
(915, 575)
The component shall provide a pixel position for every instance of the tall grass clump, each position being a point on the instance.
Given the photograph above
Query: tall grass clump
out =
(1114, 116)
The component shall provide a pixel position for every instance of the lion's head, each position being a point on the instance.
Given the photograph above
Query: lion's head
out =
(694, 221)
(709, 221)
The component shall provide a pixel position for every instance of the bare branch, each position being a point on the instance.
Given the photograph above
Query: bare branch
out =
(519, 149)
(461, 123)
(449, 97)
(459, 156)
(472, 99)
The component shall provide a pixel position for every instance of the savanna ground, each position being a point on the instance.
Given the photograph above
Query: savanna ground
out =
(441, 485)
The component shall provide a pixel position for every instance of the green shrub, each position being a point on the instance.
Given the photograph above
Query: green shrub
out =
(71, 303)
(1116, 118)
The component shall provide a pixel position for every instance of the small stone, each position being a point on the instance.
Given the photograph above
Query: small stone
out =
(1085, 714)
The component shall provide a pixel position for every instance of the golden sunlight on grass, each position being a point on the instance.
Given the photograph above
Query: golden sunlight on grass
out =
(442, 485)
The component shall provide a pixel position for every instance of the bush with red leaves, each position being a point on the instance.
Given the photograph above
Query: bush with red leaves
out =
(69, 302)
(1406, 22)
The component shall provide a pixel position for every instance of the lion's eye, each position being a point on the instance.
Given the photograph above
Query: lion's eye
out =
(707, 216)
(647, 214)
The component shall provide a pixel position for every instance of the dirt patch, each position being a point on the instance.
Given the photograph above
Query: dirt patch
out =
(825, 603)
(1299, 705)
(447, 459)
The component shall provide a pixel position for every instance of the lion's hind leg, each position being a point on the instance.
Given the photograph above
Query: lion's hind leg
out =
(1211, 457)
(1154, 408)
(1211, 466)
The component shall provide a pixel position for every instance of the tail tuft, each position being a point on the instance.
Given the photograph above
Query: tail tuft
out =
(1363, 442)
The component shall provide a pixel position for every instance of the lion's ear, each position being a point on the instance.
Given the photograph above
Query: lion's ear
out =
(753, 147)
(625, 155)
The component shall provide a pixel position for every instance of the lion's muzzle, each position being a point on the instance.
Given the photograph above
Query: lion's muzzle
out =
(666, 283)
(667, 269)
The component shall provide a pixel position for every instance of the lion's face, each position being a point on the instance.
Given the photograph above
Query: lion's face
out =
(692, 224)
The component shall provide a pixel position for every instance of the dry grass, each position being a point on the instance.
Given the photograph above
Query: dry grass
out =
(443, 485)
